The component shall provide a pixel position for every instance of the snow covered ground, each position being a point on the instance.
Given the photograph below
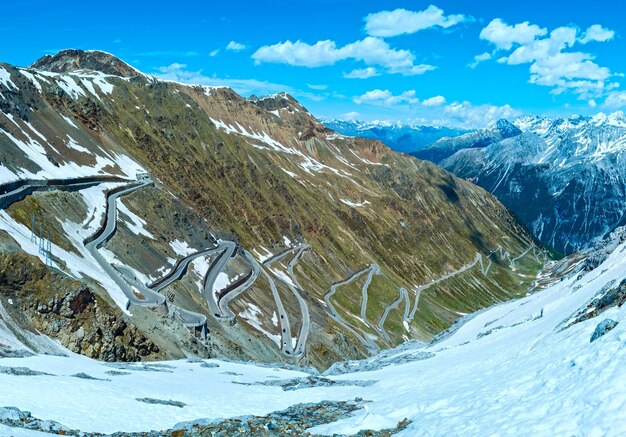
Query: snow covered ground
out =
(509, 370)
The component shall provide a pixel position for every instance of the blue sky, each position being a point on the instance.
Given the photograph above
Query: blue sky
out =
(409, 61)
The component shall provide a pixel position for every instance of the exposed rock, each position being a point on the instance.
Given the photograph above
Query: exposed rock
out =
(162, 402)
(71, 60)
(154, 367)
(314, 381)
(21, 371)
(609, 297)
(70, 312)
(12, 414)
(14, 353)
(82, 375)
(16, 418)
(117, 372)
(375, 363)
(602, 328)
(294, 421)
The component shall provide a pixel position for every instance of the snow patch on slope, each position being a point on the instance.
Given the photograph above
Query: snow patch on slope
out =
(181, 248)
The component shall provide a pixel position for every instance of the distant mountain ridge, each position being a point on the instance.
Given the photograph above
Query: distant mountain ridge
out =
(565, 178)
(400, 137)
(448, 146)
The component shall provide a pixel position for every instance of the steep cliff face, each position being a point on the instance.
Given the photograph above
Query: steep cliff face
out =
(563, 178)
(265, 173)
(64, 309)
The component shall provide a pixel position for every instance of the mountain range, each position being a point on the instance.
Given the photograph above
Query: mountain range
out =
(177, 259)
(564, 178)
(264, 233)
(399, 137)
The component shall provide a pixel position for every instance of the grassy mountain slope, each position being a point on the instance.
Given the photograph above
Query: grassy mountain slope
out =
(261, 170)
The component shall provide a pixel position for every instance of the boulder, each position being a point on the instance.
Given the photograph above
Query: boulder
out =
(602, 328)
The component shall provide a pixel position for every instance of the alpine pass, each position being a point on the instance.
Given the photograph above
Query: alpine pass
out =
(313, 218)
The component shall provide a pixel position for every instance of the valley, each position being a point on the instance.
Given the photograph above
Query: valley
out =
(268, 219)
(263, 233)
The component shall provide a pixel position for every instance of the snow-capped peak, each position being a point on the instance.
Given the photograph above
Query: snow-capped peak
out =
(533, 123)
(599, 118)
(618, 118)
(505, 128)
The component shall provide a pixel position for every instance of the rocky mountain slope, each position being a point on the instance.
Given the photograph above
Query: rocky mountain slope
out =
(527, 367)
(448, 146)
(399, 137)
(564, 178)
(268, 202)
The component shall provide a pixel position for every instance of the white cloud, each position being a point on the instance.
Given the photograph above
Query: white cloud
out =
(615, 99)
(434, 111)
(350, 116)
(317, 87)
(480, 58)
(402, 21)
(469, 116)
(175, 67)
(386, 98)
(214, 53)
(178, 72)
(592, 103)
(504, 36)
(552, 63)
(372, 51)
(363, 73)
(234, 46)
(597, 33)
(415, 70)
(434, 101)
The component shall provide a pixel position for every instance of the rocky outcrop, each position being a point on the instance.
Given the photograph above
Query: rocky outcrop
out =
(80, 324)
(17, 418)
(602, 328)
(70, 312)
(295, 420)
(72, 60)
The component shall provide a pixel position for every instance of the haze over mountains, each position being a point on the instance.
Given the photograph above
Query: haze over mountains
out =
(399, 137)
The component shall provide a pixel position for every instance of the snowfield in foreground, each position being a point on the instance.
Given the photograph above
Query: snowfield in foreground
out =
(509, 370)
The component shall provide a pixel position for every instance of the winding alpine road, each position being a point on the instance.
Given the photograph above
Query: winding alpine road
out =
(131, 287)
(403, 295)
(179, 270)
(375, 270)
(227, 298)
(150, 298)
(283, 317)
(294, 287)
(304, 308)
(364, 339)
